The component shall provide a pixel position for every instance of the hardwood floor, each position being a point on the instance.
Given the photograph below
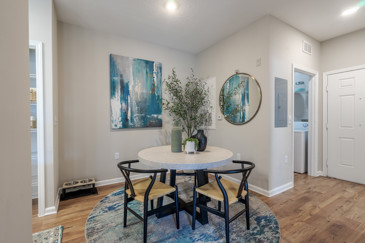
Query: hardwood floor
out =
(317, 209)
(72, 214)
(320, 209)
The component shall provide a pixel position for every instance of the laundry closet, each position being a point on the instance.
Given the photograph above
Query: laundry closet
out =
(301, 84)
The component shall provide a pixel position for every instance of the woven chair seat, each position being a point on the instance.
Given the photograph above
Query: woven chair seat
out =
(159, 189)
(212, 190)
(227, 192)
(150, 188)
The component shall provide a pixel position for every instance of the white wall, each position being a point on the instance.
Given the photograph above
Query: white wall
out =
(240, 51)
(15, 163)
(285, 50)
(344, 51)
(87, 144)
(279, 46)
(42, 27)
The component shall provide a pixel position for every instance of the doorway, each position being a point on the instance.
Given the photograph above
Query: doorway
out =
(305, 121)
(37, 123)
(301, 90)
(344, 132)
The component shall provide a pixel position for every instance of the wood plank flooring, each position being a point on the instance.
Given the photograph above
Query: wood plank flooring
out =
(320, 209)
(317, 209)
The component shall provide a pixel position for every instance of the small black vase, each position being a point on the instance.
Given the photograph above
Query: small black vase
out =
(202, 140)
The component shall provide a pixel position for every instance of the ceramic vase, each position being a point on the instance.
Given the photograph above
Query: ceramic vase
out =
(203, 140)
(176, 139)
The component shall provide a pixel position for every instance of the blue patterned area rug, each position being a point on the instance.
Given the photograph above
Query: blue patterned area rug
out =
(53, 235)
(105, 222)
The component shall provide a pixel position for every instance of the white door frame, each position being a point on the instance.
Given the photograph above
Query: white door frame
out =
(38, 47)
(312, 120)
(325, 111)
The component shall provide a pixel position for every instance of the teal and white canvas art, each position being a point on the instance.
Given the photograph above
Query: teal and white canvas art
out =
(135, 93)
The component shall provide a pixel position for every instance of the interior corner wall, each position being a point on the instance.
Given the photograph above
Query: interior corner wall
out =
(41, 19)
(87, 143)
(285, 49)
(343, 51)
(15, 164)
(240, 52)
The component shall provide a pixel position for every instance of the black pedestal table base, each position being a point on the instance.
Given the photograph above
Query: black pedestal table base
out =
(202, 216)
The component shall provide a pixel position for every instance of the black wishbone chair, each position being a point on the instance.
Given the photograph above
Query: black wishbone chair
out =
(146, 190)
(227, 192)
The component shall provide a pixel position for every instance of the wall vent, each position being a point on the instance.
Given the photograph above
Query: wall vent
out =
(307, 48)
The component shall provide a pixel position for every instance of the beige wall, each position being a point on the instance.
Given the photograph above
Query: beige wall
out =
(240, 51)
(15, 163)
(43, 28)
(87, 145)
(286, 50)
(279, 46)
(344, 51)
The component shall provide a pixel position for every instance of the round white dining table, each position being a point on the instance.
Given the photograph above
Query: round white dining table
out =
(162, 157)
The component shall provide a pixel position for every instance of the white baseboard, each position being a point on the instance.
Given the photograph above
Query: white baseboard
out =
(120, 180)
(319, 173)
(275, 191)
(280, 189)
(50, 210)
(261, 191)
(109, 182)
(53, 209)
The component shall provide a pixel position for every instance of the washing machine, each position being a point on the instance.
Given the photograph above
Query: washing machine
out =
(301, 147)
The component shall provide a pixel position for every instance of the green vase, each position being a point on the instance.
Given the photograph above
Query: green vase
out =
(176, 139)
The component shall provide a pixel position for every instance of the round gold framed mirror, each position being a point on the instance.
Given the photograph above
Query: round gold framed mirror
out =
(240, 98)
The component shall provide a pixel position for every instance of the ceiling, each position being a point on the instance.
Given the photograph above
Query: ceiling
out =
(198, 24)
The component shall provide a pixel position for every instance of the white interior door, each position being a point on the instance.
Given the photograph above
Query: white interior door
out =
(346, 126)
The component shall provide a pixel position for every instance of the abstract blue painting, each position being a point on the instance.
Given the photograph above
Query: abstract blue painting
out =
(135, 92)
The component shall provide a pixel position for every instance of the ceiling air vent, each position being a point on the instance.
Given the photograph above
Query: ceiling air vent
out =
(307, 48)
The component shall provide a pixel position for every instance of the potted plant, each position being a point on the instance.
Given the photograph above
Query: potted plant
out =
(191, 145)
(187, 104)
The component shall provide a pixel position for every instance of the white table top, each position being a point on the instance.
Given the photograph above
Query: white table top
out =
(162, 157)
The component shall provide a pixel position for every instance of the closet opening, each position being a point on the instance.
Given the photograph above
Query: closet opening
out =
(305, 122)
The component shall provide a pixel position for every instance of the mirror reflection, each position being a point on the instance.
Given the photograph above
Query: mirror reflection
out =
(240, 98)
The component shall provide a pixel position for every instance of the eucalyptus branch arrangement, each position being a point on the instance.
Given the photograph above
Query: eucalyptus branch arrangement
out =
(187, 104)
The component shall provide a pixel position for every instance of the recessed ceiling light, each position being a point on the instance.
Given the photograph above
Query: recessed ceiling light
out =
(350, 11)
(171, 5)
